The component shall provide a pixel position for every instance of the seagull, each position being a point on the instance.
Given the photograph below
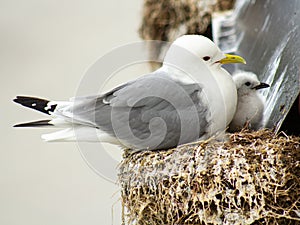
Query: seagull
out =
(190, 97)
(250, 106)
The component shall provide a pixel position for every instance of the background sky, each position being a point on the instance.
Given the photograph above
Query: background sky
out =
(45, 48)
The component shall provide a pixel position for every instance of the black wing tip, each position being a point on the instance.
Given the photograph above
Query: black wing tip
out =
(39, 123)
(24, 99)
(19, 125)
(35, 103)
(19, 99)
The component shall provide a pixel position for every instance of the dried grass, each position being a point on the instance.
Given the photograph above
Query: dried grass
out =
(251, 179)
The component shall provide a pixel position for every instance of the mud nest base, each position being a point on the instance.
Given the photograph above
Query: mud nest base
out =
(253, 178)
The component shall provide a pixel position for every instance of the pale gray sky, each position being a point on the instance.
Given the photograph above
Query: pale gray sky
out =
(45, 48)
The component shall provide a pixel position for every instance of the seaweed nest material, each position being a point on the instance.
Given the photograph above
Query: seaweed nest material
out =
(253, 178)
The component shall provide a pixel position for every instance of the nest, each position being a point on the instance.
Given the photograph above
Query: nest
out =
(253, 178)
(162, 20)
(168, 19)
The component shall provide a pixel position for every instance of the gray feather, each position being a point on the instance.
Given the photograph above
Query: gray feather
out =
(130, 111)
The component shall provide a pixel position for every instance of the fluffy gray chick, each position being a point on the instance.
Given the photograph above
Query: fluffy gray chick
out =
(250, 106)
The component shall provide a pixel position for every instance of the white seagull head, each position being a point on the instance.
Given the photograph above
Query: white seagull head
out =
(206, 50)
(247, 82)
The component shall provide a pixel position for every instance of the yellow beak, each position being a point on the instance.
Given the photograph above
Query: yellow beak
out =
(232, 59)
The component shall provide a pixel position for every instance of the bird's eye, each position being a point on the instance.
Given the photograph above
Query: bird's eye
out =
(206, 58)
(247, 83)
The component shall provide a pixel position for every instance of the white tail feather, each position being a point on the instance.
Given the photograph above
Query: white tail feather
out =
(80, 133)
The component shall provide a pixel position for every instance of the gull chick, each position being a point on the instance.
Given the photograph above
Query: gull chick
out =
(250, 106)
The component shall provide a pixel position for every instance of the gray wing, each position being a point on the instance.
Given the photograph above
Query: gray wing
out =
(152, 112)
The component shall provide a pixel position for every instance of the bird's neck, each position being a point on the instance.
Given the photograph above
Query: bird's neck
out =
(178, 74)
(246, 93)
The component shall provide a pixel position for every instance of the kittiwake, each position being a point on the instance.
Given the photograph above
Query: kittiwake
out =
(160, 110)
(250, 105)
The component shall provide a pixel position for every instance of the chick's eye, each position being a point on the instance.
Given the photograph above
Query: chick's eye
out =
(247, 83)
(206, 58)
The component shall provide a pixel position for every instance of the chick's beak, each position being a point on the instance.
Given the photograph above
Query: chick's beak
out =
(261, 85)
(232, 59)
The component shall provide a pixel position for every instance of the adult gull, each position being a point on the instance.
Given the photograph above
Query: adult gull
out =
(190, 97)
